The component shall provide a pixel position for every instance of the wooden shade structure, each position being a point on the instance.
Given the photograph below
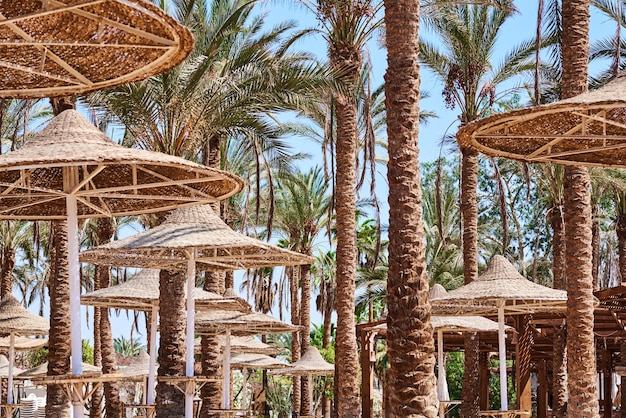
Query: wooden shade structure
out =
(66, 47)
(588, 129)
(243, 345)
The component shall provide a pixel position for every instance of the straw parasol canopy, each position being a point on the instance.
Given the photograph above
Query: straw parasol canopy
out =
(23, 343)
(311, 363)
(454, 324)
(17, 320)
(500, 283)
(588, 129)
(61, 47)
(199, 228)
(243, 345)
(257, 362)
(42, 371)
(142, 293)
(217, 322)
(72, 157)
(138, 369)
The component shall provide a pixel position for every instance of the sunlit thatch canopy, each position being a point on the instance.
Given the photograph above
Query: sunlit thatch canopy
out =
(310, 364)
(246, 344)
(217, 322)
(257, 362)
(588, 129)
(61, 47)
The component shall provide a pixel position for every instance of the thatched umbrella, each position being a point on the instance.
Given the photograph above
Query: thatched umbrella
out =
(23, 343)
(242, 345)
(310, 364)
(186, 237)
(141, 293)
(62, 48)
(17, 320)
(249, 361)
(588, 129)
(71, 170)
(500, 289)
(42, 370)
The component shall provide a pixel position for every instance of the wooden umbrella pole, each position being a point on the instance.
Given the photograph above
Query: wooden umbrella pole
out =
(152, 367)
(11, 362)
(502, 351)
(226, 373)
(191, 284)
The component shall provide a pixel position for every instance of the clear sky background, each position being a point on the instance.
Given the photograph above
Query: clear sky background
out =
(517, 29)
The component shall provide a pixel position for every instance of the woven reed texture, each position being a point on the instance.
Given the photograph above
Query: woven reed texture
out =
(15, 319)
(257, 362)
(311, 363)
(66, 47)
(23, 343)
(71, 156)
(218, 322)
(242, 345)
(42, 371)
(192, 229)
(138, 369)
(454, 324)
(4, 367)
(589, 129)
(500, 283)
(142, 293)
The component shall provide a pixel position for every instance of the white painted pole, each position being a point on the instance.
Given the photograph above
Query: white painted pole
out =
(502, 349)
(191, 284)
(74, 271)
(152, 368)
(226, 372)
(11, 362)
(441, 372)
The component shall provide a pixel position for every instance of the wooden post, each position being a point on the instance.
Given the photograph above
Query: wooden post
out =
(522, 365)
(484, 380)
(368, 356)
(542, 389)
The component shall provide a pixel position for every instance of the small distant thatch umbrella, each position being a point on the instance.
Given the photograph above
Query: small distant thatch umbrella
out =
(23, 343)
(17, 320)
(248, 361)
(588, 129)
(186, 237)
(138, 369)
(243, 345)
(42, 371)
(71, 170)
(111, 42)
(500, 289)
(310, 364)
(141, 293)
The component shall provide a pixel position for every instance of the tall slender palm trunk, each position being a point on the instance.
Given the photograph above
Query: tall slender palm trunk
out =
(411, 348)
(346, 59)
(469, 214)
(559, 351)
(211, 393)
(6, 270)
(95, 409)
(296, 398)
(305, 322)
(620, 230)
(169, 400)
(581, 362)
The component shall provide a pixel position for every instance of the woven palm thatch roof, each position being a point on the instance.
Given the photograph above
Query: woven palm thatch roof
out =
(257, 362)
(23, 343)
(588, 129)
(500, 283)
(17, 320)
(65, 47)
(4, 367)
(311, 363)
(471, 323)
(72, 157)
(42, 370)
(142, 293)
(217, 322)
(246, 344)
(138, 369)
(198, 229)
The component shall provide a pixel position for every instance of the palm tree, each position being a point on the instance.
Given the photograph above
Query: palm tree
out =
(581, 363)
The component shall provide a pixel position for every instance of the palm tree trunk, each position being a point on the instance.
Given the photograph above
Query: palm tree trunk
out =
(559, 373)
(169, 400)
(346, 59)
(326, 338)
(211, 393)
(305, 322)
(469, 214)
(95, 410)
(595, 247)
(410, 344)
(6, 273)
(620, 230)
(622, 349)
(296, 399)
(59, 350)
(558, 246)
(581, 362)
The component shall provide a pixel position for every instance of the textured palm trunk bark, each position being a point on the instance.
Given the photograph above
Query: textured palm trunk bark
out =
(326, 340)
(6, 275)
(95, 410)
(622, 349)
(469, 214)
(305, 321)
(410, 345)
(559, 375)
(169, 400)
(581, 363)
(620, 231)
(296, 398)
(211, 393)
(57, 403)
(558, 246)
(595, 247)
(346, 60)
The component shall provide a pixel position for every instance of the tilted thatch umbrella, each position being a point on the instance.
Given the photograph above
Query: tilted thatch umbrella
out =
(62, 48)
(71, 170)
(588, 129)
(17, 320)
(141, 293)
(42, 371)
(186, 237)
(500, 289)
(249, 361)
(310, 364)
(242, 345)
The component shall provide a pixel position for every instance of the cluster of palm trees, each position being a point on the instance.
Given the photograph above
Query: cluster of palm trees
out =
(222, 107)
